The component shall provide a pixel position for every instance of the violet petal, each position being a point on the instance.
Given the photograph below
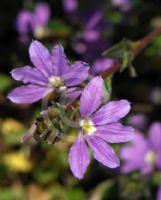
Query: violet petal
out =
(29, 74)
(111, 112)
(28, 94)
(91, 96)
(115, 133)
(103, 152)
(76, 74)
(79, 158)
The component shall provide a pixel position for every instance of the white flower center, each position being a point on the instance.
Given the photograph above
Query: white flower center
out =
(87, 126)
(150, 157)
(57, 82)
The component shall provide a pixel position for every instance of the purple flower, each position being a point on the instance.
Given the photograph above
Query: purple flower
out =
(51, 73)
(159, 194)
(138, 120)
(92, 42)
(70, 6)
(98, 125)
(143, 154)
(124, 5)
(33, 22)
(100, 65)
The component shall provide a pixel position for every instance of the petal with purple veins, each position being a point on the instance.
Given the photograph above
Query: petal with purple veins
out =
(76, 74)
(29, 74)
(28, 94)
(91, 96)
(41, 58)
(103, 152)
(79, 158)
(115, 133)
(111, 112)
(59, 60)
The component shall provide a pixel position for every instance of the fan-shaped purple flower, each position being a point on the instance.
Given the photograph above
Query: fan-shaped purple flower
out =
(98, 126)
(147, 152)
(51, 73)
(33, 22)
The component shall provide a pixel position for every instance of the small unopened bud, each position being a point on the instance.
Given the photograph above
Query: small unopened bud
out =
(29, 133)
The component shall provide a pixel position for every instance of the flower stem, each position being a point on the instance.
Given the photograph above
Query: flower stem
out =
(135, 51)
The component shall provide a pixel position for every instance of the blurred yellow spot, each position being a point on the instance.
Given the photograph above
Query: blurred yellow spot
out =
(150, 157)
(17, 161)
(10, 125)
(40, 32)
(72, 135)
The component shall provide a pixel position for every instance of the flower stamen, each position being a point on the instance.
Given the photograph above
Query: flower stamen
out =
(87, 126)
(56, 81)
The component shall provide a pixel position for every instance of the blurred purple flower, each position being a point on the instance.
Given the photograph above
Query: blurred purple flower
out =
(124, 5)
(51, 73)
(159, 194)
(33, 22)
(100, 65)
(143, 154)
(138, 120)
(70, 6)
(98, 125)
(91, 42)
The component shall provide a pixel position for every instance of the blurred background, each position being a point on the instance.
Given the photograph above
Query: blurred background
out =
(85, 28)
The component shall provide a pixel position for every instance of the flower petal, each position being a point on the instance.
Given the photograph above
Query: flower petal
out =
(70, 6)
(136, 149)
(29, 74)
(76, 74)
(115, 133)
(41, 58)
(28, 94)
(100, 65)
(111, 112)
(91, 96)
(103, 152)
(42, 14)
(155, 136)
(24, 20)
(129, 166)
(79, 158)
(59, 60)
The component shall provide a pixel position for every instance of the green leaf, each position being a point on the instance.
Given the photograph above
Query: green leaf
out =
(118, 50)
(59, 26)
(122, 51)
(6, 82)
(108, 87)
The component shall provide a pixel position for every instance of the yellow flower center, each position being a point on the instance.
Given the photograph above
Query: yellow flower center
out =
(87, 126)
(150, 157)
(57, 82)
